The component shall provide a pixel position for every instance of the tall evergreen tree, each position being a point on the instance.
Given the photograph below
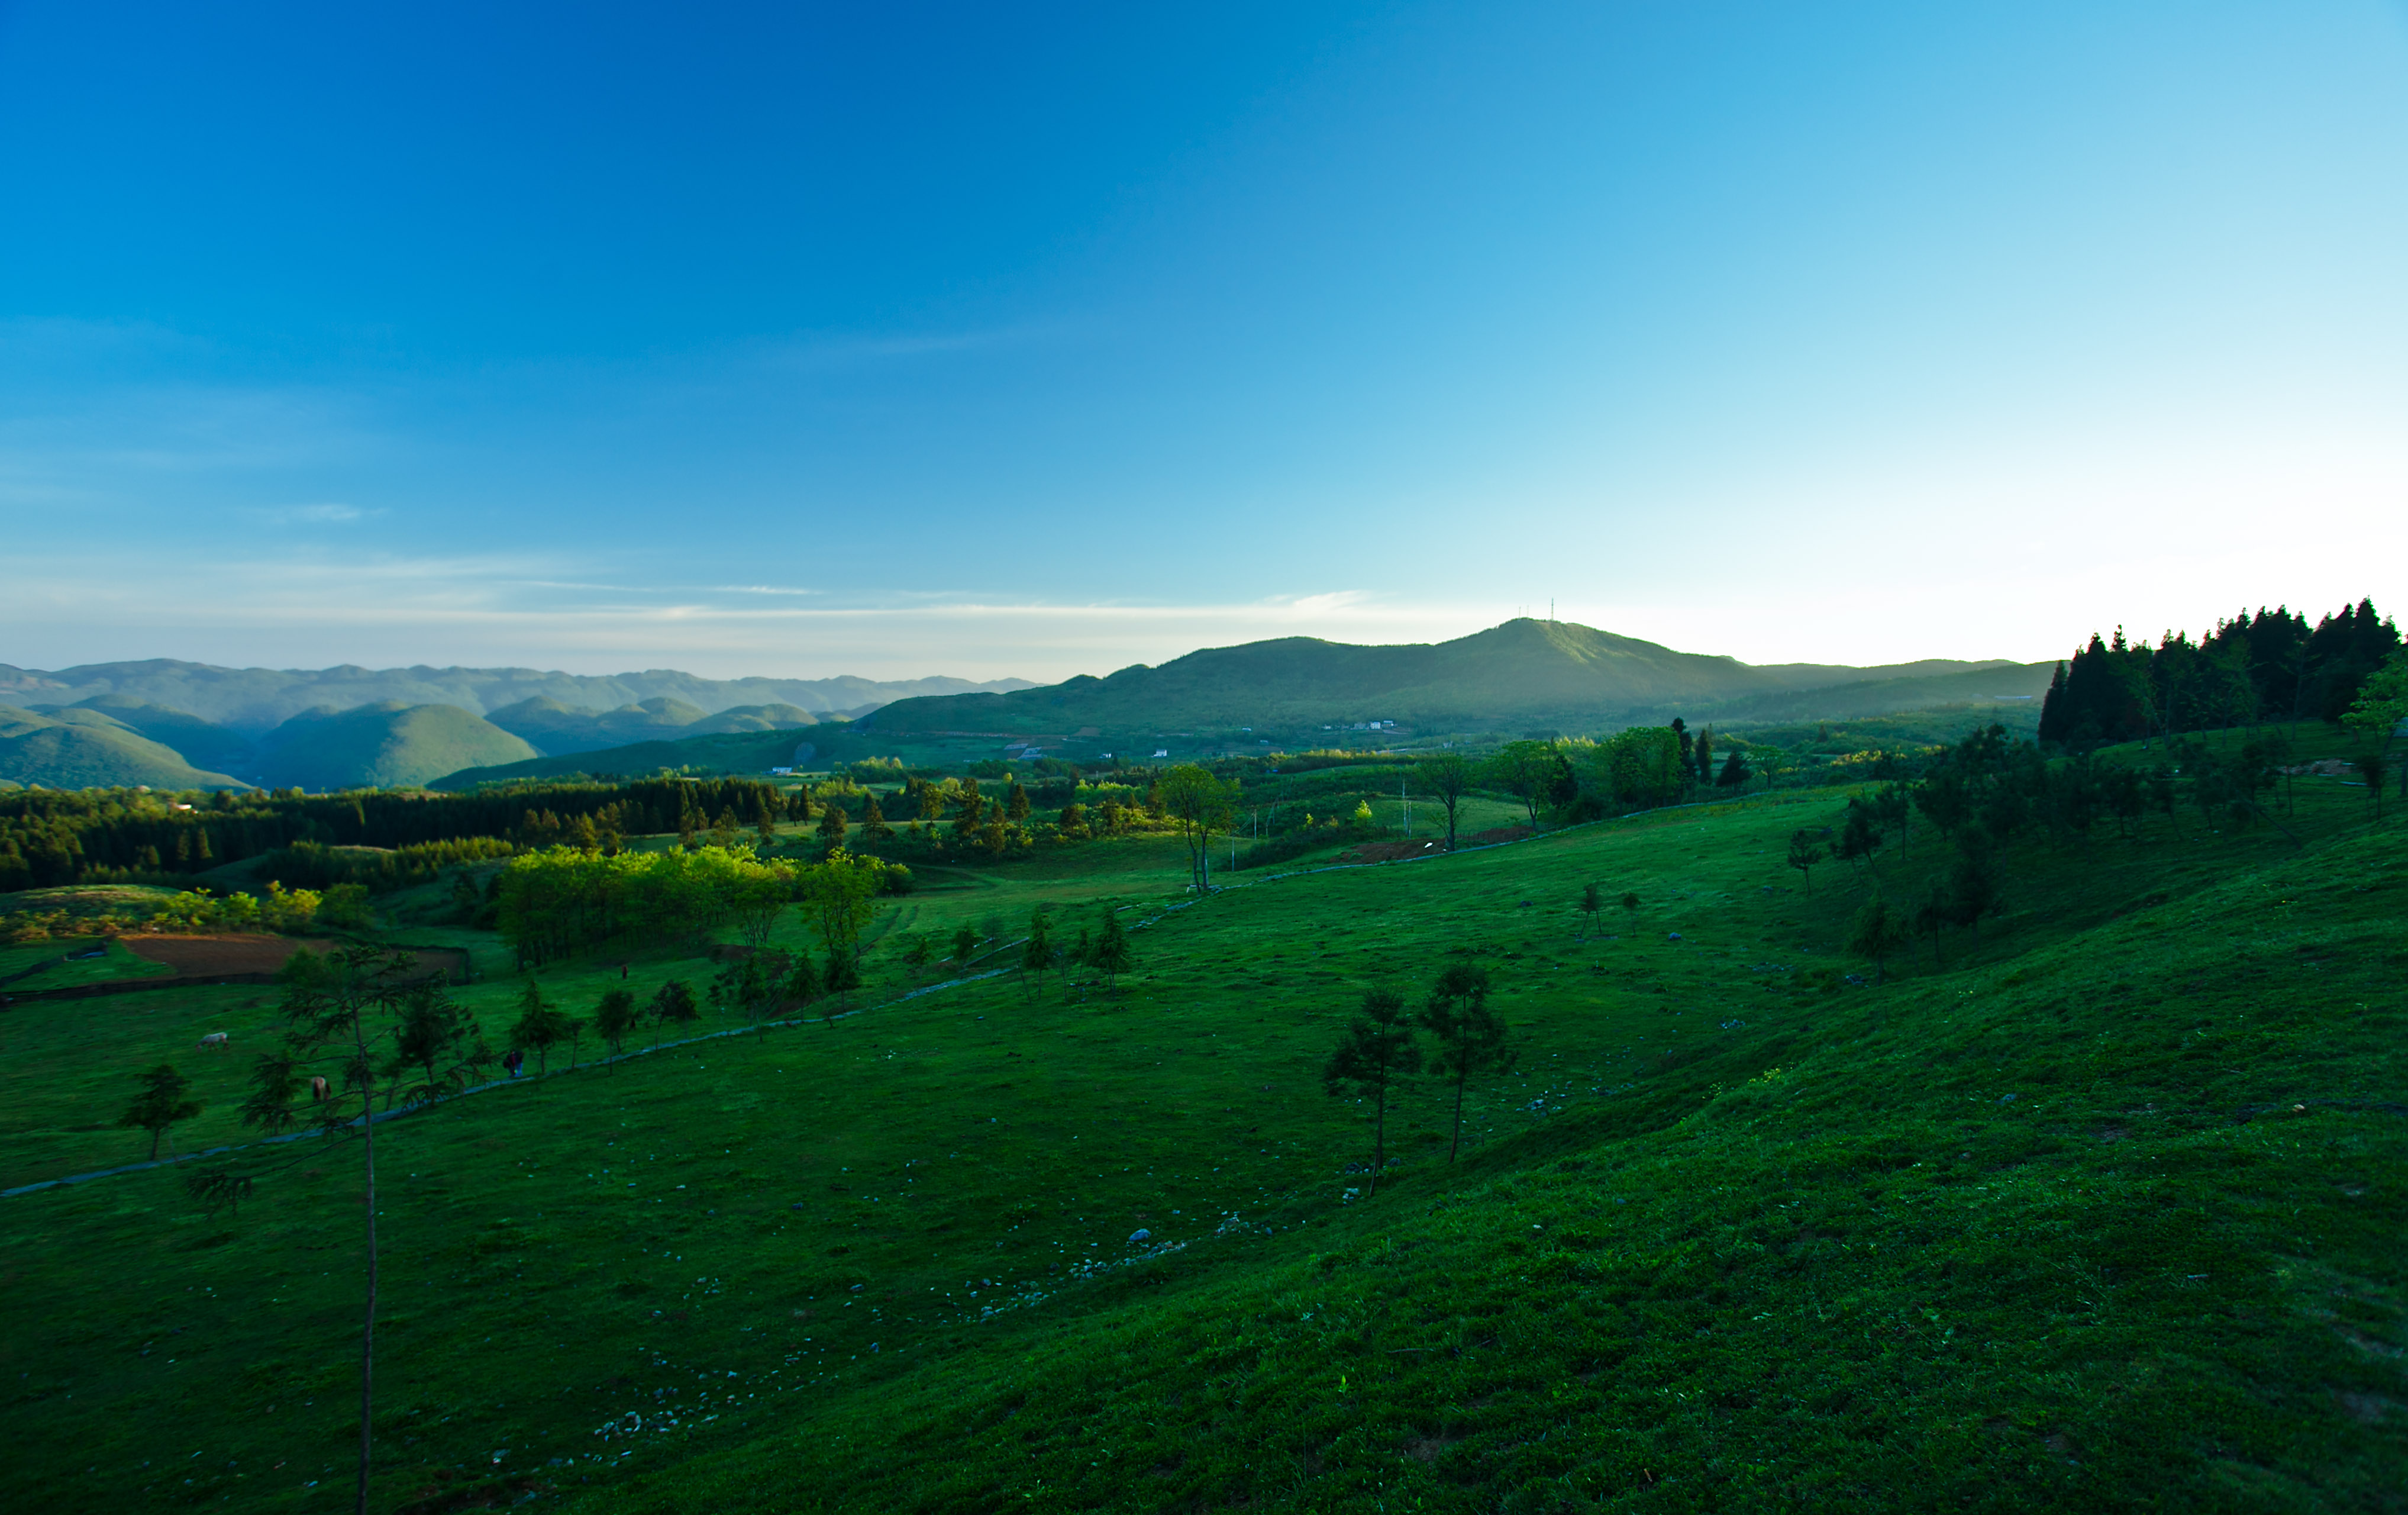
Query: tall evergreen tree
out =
(162, 1101)
(1373, 1058)
(1469, 1036)
(1110, 955)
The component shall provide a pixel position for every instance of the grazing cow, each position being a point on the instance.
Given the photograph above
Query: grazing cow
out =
(213, 1040)
(318, 1089)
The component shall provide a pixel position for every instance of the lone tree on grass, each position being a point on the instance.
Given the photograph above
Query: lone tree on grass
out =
(541, 1027)
(802, 987)
(344, 1010)
(1037, 953)
(832, 823)
(2372, 768)
(1471, 1039)
(1449, 776)
(161, 1103)
(1373, 1057)
(615, 1019)
(436, 1033)
(1592, 900)
(965, 943)
(1804, 852)
(1876, 932)
(673, 1006)
(1630, 905)
(1110, 955)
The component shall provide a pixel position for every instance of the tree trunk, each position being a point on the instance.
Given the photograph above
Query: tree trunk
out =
(1379, 1139)
(368, 1327)
(1456, 1146)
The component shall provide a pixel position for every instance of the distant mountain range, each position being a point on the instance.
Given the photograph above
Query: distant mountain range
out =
(253, 700)
(181, 726)
(189, 726)
(1521, 674)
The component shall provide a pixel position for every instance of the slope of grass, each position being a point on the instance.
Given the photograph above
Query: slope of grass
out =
(2043, 1226)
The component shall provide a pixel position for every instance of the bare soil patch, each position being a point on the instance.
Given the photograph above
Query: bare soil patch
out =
(244, 953)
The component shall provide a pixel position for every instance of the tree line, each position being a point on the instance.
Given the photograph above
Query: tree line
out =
(2272, 665)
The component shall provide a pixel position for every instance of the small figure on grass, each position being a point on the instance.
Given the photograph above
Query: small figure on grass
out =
(1372, 1059)
(162, 1102)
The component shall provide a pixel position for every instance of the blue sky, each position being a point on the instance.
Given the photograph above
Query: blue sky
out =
(898, 339)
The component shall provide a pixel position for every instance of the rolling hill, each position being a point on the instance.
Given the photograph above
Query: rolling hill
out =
(385, 744)
(83, 749)
(1521, 673)
(552, 727)
(254, 699)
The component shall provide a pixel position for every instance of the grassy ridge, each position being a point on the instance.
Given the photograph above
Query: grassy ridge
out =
(1726, 1237)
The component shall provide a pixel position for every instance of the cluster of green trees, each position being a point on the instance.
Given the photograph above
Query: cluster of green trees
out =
(565, 901)
(2252, 668)
(314, 865)
(53, 837)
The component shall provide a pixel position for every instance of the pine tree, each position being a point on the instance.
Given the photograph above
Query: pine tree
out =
(1037, 953)
(614, 1018)
(1373, 1057)
(540, 1026)
(873, 821)
(1470, 1038)
(832, 823)
(161, 1103)
(1015, 804)
(1110, 955)
(673, 1004)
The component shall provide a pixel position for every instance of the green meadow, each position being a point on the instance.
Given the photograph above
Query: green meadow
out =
(2100, 1210)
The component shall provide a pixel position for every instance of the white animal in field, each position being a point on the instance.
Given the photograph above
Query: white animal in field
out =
(214, 1039)
(318, 1089)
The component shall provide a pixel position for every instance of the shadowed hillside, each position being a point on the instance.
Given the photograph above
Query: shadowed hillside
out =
(387, 743)
(79, 749)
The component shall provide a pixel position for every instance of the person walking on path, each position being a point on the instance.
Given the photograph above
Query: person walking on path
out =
(514, 1061)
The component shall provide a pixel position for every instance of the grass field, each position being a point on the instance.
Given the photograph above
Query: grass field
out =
(2104, 1214)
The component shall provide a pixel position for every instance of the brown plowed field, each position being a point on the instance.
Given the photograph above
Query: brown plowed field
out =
(196, 955)
(207, 957)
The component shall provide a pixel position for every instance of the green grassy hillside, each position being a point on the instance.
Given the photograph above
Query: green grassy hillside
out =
(1523, 671)
(85, 748)
(387, 745)
(2101, 1214)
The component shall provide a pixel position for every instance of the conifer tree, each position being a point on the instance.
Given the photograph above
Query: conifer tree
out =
(1110, 955)
(1037, 953)
(1470, 1038)
(673, 1004)
(613, 1019)
(873, 822)
(1373, 1058)
(1015, 804)
(540, 1026)
(1877, 932)
(832, 823)
(163, 1102)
